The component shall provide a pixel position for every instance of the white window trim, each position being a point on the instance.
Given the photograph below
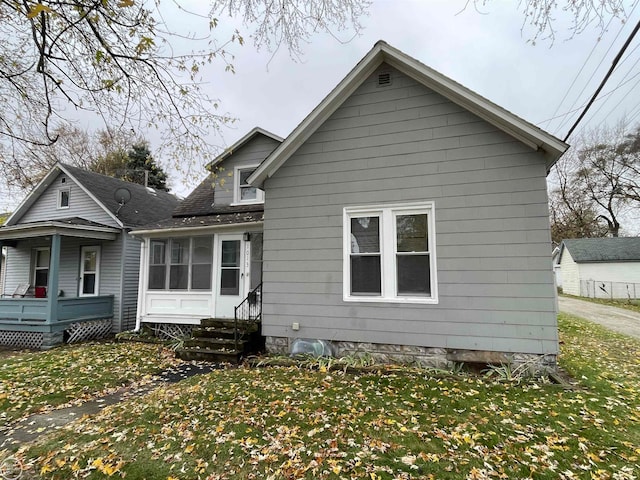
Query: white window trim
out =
(236, 187)
(96, 289)
(387, 214)
(35, 264)
(59, 204)
(167, 264)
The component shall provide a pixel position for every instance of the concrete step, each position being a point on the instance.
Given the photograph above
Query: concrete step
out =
(228, 323)
(213, 332)
(209, 355)
(214, 343)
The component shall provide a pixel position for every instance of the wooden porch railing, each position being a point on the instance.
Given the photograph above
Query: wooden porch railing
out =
(20, 313)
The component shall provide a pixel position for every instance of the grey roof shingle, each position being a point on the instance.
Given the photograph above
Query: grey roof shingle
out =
(221, 218)
(619, 249)
(200, 201)
(143, 207)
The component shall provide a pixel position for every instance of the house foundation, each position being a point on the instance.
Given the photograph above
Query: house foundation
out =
(444, 358)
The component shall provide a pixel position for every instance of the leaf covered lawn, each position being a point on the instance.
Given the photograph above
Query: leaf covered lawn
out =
(290, 423)
(40, 381)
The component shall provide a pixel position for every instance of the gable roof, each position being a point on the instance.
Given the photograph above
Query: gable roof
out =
(617, 249)
(201, 200)
(240, 143)
(146, 205)
(506, 121)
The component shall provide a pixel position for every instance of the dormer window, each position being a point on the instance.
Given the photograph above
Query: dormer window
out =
(243, 192)
(63, 198)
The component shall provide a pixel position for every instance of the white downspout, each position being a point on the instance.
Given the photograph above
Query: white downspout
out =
(142, 291)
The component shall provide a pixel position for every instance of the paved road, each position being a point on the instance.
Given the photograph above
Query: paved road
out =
(616, 319)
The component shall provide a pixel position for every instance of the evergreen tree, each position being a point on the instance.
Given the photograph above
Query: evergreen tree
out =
(141, 164)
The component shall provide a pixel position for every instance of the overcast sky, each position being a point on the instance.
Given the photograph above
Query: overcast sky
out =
(487, 52)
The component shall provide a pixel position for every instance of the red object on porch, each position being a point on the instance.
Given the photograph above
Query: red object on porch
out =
(41, 292)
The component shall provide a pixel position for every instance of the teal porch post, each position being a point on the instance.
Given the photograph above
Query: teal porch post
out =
(52, 339)
(1, 246)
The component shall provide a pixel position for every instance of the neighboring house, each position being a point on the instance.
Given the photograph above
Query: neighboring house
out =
(205, 259)
(601, 267)
(406, 216)
(557, 271)
(70, 264)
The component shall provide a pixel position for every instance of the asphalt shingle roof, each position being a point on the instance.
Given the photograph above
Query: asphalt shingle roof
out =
(620, 249)
(222, 218)
(143, 207)
(200, 201)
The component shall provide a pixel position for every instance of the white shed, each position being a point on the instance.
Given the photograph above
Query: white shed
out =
(601, 267)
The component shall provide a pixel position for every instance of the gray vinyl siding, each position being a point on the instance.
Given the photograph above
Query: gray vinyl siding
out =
(131, 268)
(80, 205)
(18, 264)
(405, 143)
(252, 153)
(19, 261)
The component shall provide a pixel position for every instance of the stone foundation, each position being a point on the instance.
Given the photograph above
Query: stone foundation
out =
(444, 358)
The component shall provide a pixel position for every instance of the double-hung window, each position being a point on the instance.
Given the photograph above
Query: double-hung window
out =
(243, 192)
(389, 253)
(41, 267)
(183, 263)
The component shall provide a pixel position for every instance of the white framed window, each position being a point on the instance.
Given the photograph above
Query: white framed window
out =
(243, 193)
(41, 257)
(390, 253)
(63, 198)
(89, 270)
(183, 263)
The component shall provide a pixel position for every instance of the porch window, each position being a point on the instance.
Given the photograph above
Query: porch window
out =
(179, 269)
(243, 192)
(157, 264)
(41, 267)
(180, 263)
(202, 263)
(390, 253)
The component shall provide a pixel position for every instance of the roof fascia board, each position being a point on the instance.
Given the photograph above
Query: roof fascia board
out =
(186, 230)
(245, 139)
(17, 232)
(318, 115)
(88, 192)
(31, 198)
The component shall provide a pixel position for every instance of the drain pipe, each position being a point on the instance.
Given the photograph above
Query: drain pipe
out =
(141, 283)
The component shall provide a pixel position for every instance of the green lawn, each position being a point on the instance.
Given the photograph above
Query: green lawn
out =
(286, 423)
(38, 381)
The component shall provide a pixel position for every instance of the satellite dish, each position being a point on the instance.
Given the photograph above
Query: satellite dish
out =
(122, 195)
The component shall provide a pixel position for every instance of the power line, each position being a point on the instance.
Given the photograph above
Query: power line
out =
(575, 79)
(562, 123)
(604, 80)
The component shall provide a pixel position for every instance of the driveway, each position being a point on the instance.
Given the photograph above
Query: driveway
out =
(616, 319)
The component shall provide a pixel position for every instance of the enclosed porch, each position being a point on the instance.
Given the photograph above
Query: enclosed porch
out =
(52, 280)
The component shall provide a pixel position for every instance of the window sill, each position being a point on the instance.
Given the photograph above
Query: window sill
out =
(408, 300)
(239, 204)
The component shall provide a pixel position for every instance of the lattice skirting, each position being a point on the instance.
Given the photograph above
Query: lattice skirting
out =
(171, 331)
(83, 331)
(31, 340)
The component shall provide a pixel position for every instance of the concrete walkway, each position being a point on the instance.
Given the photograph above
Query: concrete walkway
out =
(30, 428)
(616, 319)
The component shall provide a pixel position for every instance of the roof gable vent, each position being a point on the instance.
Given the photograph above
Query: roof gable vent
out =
(384, 79)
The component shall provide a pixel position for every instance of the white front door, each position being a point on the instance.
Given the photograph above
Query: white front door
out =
(89, 270)
(230, 287)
